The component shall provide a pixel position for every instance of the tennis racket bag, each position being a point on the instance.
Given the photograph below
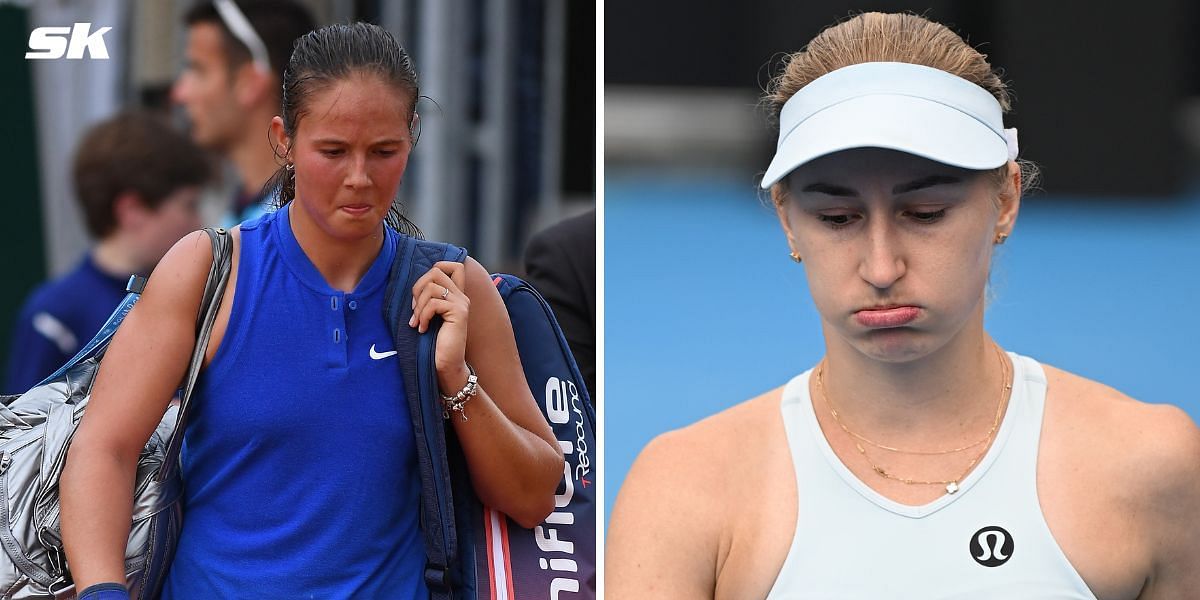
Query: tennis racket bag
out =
(472, 551)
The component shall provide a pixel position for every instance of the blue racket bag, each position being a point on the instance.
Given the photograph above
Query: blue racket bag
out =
(472, 551)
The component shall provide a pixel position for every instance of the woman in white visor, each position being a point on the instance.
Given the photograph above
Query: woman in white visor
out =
(917, 459)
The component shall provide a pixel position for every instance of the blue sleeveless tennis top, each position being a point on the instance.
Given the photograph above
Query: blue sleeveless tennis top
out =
(299, 464)
(987, 541)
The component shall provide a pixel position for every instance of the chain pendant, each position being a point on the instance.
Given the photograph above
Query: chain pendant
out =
(952, 487)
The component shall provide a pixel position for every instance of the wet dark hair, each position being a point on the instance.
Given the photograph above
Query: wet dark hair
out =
(326, 56)
(133, 152)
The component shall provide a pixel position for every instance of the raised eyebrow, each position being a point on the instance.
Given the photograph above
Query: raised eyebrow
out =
(926, 182)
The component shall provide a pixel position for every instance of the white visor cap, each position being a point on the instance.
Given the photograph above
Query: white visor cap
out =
(899, 106)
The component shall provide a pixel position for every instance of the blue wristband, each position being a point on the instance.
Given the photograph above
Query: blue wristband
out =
(105, 591)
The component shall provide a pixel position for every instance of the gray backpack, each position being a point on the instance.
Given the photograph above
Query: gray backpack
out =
(35, 431)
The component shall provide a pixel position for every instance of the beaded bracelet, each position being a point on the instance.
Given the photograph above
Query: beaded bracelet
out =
(457, 402)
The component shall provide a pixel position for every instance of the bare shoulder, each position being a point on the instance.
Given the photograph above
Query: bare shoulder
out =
(1137, 465)
(670, 522)
(183, 270)
(192, 253)
(176, 287)
(1151, 450)
(477, 273)
(716, 448)
(1157, 433)
(479, 287)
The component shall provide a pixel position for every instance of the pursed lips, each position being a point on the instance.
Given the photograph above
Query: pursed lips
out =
(887, 315)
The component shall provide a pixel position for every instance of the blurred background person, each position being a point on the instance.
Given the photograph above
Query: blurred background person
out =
(138, 183)
(506, 87)
(230, 94)
(560, 263)
(1112, 231)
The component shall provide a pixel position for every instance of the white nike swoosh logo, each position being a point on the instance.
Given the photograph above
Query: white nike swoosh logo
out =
(378, 355)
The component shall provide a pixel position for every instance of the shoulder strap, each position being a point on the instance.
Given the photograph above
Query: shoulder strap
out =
(413, 259)
(100, 341)
(210, 303)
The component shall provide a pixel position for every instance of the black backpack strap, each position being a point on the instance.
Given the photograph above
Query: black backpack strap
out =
(415, 351)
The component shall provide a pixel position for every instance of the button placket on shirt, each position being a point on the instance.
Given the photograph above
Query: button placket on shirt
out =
(339, 349)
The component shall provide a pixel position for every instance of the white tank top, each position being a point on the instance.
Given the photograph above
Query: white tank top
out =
(987, 541)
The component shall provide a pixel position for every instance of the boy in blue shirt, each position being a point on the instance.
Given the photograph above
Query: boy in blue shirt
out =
(138, 183)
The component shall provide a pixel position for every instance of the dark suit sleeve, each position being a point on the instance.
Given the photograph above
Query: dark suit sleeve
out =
(560, 263)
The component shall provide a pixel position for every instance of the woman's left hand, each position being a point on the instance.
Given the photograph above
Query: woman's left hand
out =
(440, 292)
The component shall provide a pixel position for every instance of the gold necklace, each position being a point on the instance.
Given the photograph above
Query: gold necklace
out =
(951, 484)
(1006, 385)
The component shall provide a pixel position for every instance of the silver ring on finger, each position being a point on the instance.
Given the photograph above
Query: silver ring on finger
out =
(445, 292)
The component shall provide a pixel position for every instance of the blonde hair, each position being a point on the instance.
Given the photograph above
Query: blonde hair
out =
(880, 37)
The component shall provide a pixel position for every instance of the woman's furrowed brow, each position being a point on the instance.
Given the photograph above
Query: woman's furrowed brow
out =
(379, 142)
(911, 186)
(925, 182)
(829, 189)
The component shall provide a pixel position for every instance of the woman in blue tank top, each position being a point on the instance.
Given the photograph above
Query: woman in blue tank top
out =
(298, 461)
(916, 460)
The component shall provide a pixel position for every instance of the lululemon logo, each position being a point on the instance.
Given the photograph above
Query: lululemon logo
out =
(991, 546)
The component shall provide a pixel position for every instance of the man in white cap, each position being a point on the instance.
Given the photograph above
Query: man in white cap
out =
(230, 87)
